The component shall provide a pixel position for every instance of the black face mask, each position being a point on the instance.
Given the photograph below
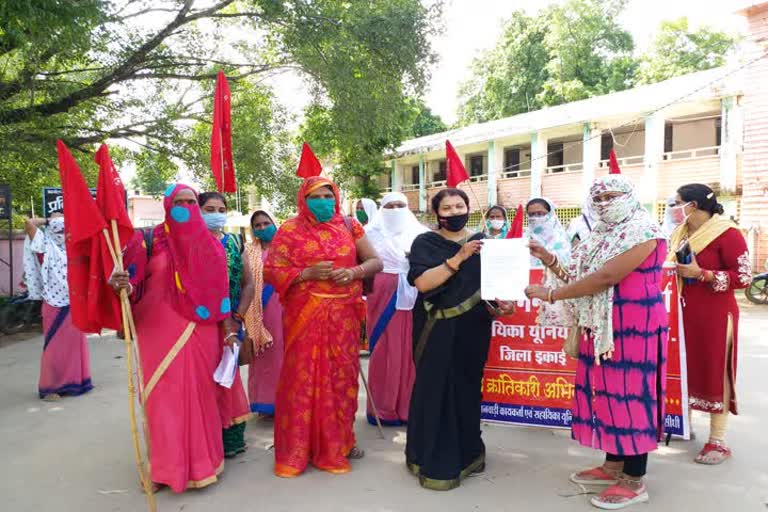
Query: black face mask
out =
(455, 223)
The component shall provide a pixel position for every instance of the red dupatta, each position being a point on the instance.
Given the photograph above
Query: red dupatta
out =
(199, 264)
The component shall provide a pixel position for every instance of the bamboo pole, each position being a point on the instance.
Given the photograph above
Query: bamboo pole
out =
(373, 405)
(144, 476)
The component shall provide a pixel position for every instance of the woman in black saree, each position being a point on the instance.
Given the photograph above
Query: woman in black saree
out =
(451, 333)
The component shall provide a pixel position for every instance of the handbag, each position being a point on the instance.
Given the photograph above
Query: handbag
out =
(571, 345)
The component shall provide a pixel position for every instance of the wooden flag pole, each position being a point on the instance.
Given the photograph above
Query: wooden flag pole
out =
(144, 476)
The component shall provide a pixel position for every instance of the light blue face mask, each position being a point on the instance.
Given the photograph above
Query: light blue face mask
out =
(215, 221)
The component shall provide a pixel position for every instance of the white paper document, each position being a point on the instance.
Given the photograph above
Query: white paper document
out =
(225, 372)
(505, 266)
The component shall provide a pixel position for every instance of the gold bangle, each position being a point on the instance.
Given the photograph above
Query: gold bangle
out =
(550, 296)
(553, 261)
(453, 270)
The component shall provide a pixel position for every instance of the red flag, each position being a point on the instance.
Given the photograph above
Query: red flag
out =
(83, 222)
(104, 305)
(455, 171)
(221, 138)
(309, 165)
(516, 229)
(613, 164)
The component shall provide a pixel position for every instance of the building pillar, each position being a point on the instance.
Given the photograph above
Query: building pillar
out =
(539, 145)
(397, 182)
(495, 164)
(422, 184)
(654, 154)
(731, 140)
(591, 155)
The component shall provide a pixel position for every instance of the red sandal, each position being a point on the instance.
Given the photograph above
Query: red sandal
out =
(713, 447)
(628, 497)
(594, 476)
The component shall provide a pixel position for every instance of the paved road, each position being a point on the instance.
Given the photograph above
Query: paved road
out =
(76, 455)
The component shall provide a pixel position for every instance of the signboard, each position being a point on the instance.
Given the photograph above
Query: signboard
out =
(53, 200)
(5, 202)
(529, 380)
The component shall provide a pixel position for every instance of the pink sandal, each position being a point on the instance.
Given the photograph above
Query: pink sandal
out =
(595, 476)
(724, 453)
(628, 497)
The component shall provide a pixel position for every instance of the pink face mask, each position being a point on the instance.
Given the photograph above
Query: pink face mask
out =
(678, 214)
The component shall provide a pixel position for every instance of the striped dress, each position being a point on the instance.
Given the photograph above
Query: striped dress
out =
(618, 407)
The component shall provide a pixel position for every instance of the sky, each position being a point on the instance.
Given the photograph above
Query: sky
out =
(472, 26)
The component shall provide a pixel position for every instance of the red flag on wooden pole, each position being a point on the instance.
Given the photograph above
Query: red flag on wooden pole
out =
(455, 171)
(613, 164)
(516, 229)
(83, 222)
(309, 165)
(221, 138)
(104, 305)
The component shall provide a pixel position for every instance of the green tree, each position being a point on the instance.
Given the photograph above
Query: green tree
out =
(507, 79)
(677, 50)
(424, 121)
(140, 71)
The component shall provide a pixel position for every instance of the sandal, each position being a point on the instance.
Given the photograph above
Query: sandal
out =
(594, 476)
(713, 453)
(356, 453)
(52, 397)
(607, 500)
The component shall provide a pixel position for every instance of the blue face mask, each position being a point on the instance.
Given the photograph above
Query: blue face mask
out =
(215, 221)
(266, 234)
(323, 209)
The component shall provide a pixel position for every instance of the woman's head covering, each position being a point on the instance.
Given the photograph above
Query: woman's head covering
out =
(369, 206)
(198, 261)
(583, 225)
(668, 226)
(392, 235)
(486, 228)
(309, 186)
(622, 224)
(549, 232)
(49, 279)
(254, 318)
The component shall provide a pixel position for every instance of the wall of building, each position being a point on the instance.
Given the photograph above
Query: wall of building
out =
(630, 144)
(145, 211)
(18, 263)
(695, 134)
(754, 202)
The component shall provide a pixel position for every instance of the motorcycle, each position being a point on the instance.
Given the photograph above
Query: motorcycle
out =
(20, 312)
(757, 291)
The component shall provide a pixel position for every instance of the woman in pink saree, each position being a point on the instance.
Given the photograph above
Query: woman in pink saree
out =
(180, 293)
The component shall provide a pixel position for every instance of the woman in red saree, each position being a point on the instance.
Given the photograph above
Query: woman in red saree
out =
(177, 276)
(313, 265)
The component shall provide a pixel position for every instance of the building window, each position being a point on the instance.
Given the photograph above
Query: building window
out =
(555, 155)
(476, 165)
(414, 175)
(441, 172)
(606, 145)
(718, 131)
(668, 138)
(512, 161)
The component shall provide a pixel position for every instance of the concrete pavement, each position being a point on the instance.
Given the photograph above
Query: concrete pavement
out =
(76, 455)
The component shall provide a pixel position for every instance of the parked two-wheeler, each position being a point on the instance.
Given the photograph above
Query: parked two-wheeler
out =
(757, 291)
(20, 312)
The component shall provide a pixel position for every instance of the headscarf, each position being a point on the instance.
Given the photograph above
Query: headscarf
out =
(623, 224)
(48, 280)
(369, 206)
(668, 226)
(549, 232)
(254, 317)
(392, 240)
(198, 261)
(583, 225)
(486, 228)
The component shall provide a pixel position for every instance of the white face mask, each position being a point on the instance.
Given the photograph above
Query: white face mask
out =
(496, 224)
(394, 219)
(678, 214)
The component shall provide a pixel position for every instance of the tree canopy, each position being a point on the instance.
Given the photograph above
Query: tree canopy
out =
(577, 50)
(142, 72)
